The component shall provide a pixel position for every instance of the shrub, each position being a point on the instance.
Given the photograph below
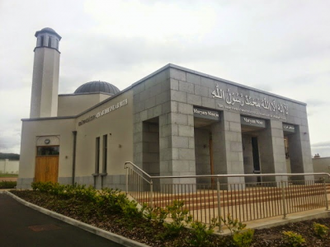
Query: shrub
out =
(320, 230)
(243, 238)
(155, 215)
(234, 225)
(293, 239)
(179, 217)
(130, 209)
(111, 200)
(94, 202)
(43, 187)
(7, 184)
(240, 236)
(200, 234)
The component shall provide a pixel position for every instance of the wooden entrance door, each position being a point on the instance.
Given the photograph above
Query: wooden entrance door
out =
(46, 169)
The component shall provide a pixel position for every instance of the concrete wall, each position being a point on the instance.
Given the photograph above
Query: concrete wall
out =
(248, 157)
(32, 131)
(202, 154)
(162, 105)
(271, 150)
(151, 148)
(117, 124)
(151, 99)
(193, 88)
(73, 104)
(44, 97)
(321, 165)
(171, 95)
(110, 119)
(9, 166)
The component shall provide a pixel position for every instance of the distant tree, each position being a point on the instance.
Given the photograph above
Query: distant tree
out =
(9, 156)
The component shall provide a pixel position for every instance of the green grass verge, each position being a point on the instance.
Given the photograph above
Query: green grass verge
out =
(8, 175)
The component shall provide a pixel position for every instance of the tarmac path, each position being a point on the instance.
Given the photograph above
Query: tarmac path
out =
(23, 226)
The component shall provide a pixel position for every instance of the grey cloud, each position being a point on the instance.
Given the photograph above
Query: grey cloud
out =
(315, 103)
(308, 78)
(9, 142)
(321, 148)
(321, 144)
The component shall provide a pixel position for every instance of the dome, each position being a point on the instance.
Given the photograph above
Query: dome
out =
(48, 30)
(97, 87)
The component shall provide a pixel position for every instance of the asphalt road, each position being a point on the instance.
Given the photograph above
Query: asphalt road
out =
(23, 226)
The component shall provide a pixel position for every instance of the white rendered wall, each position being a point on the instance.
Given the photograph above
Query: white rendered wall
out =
(73, 104)
(31, 132)
(118, 125)
(9, 166)
(44, 98)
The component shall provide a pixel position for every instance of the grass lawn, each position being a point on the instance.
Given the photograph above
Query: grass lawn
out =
(8, 175)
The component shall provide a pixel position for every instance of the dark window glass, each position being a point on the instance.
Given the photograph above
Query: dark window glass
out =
(48, 150)
(105, 153)
(97, 155)
(41, 40)
(49, 42)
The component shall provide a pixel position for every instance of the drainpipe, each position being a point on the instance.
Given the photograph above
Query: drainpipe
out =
(74, 156)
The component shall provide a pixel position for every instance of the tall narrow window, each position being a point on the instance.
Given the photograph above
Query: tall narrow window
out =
(105, 153)
(41, 40)
(49, 41)
(56, 44)
(97, 155)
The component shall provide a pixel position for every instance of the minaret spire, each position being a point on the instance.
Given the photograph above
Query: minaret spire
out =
(46, 67)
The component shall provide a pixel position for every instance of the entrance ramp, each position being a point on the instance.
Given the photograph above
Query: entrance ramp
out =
(243, 201)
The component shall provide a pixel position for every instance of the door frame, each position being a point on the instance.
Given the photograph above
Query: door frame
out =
(46, 167)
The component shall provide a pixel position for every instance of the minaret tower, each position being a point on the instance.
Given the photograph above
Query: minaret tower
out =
(46, 67)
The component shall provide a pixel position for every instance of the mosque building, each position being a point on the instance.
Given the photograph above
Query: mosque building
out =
(175, 121)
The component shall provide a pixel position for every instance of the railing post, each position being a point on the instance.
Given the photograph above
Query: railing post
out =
(219, 206)
(283, 199)
(151, 193)
(325, 195)
(126, 180)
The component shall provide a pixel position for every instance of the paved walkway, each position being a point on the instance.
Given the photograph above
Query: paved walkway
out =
(293, 217)
(23, 226)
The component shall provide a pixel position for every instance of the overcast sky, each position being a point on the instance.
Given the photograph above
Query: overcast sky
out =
(278, 46)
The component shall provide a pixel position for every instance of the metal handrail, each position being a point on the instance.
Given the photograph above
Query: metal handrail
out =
(287, 201)
(143, 172)
(140, 170)
(227, 175)
(242, 175)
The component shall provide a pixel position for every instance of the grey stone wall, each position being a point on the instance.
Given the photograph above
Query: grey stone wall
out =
(322, 165)
(202, 154)
(151, 148)
(151, 99)
(24, 183)
(192, 90)
(171, 94)
(271, 150)
(248, 157)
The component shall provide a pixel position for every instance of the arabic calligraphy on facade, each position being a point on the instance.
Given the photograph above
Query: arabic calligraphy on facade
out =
(239, 99)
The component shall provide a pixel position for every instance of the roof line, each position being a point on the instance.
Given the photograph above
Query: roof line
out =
(232, 83)
(170, 65)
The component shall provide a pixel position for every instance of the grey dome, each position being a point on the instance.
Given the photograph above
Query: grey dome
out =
(48, 30)
(97, 87)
